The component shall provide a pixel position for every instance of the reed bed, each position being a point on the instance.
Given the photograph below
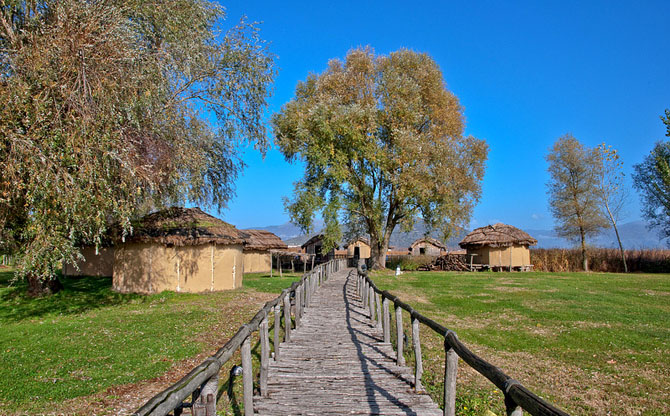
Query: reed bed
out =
(600, 260)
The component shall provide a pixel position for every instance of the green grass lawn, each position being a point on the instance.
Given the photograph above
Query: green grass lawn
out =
(591, 343)
(87, 338)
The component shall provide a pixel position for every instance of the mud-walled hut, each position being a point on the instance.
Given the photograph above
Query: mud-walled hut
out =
(427, 246)
(499, 246)
(257, 254)
(179, 249)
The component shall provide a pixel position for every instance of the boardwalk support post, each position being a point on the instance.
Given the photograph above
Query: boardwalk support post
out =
(204, 402)
(378, 306)
(511, 408)
(287, 317)
(265, 356)
(247, 377)
(298, 306)
(387, 321)
(400, 359)
(371, 305)
(418, 368)
(277, 325)
(450, 373)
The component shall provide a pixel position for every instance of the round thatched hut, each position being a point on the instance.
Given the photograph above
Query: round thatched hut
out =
(427, 246)
(180, 249)
(257, 255)
(499, 246)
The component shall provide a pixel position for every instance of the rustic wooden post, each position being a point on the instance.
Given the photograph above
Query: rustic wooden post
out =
(312, 267)
(387, 321)
(450, 371)
(418, 368)
(292, 266)
(205, 402)
(277, 325)
(400, 358)
(279, 264)
(265, 356)
(247, 377)
(287, 317)
(271, 256)
(511, 408)
(304, 265)
(371, 305)
(365, 293)
(308, 294)
(298, 306)
(378, 306)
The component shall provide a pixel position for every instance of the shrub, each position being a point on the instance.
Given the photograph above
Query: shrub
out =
(408, 263)
(600, 260)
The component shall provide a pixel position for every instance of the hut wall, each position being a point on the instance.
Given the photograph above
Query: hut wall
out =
(500, 256)
(481, 255)
(257, 261)
(430, 249)
(364, 249)
(152, 268)
(101, 264)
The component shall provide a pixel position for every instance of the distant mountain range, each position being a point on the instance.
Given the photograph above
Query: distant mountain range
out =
(634, 235)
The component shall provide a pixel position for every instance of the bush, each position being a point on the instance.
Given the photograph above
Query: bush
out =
(600, 260)
(408, 263)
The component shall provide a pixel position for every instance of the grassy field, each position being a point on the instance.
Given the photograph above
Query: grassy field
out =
(87, 349)
(591, 343)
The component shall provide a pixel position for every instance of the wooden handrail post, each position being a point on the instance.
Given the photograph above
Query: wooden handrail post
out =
(387, 321)
(247, 377)
(418, 368)
(450, 372)
(365, 293)
(511, 407)
(205, 402)
(277, 325)
(400, 358)
(308, 295)
(265, 356)
(298, 306)
(287, 318)
(371, 305)
(378, 306)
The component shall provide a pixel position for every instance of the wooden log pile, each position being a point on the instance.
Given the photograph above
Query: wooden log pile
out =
(448, 262)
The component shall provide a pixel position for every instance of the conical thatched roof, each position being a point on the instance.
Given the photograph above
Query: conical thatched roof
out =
(429, 240)
(183, 227)
(263, 240)
(497, 235)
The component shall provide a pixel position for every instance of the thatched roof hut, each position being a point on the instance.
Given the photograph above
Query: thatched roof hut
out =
(182, 249)
(427, 246)
(499, 245)
(358, 247)
(258, 250)
(314, 246)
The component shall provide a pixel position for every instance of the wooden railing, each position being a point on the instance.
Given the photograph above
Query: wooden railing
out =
(517, 397)
(202, 383)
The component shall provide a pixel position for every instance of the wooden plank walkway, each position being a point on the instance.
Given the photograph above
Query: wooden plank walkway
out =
(337, 363)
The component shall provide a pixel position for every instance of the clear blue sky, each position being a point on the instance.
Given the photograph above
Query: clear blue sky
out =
(526, 73)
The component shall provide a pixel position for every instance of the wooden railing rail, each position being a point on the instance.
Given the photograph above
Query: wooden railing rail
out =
(517, 397)
(202, 382)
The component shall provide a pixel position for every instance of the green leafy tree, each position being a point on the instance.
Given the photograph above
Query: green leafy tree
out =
(110, 106)
(652, 179)
(573, 197)
(382, 142)
(611, 189)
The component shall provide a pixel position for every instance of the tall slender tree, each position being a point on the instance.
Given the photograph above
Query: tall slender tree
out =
(382, 142)
(573, 196)
(108, 105)
(612, 190)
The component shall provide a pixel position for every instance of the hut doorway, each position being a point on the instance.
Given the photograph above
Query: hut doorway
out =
(357, 252)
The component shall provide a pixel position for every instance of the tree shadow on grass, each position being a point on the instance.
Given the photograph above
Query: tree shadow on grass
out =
(79, 294)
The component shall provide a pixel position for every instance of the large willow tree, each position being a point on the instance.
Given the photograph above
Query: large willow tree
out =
(108, 106)
(382, 142)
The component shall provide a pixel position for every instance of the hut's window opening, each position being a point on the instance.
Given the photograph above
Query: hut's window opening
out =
(422, 251)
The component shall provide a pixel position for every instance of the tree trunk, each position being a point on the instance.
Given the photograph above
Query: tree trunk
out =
(585, 263)
(618, 239)
(378, 250)
(43, 287)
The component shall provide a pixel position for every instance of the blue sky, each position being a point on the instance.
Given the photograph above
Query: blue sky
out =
(526, 73)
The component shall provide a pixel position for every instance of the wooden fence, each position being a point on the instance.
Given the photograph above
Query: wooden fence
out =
(7, 260)
(517, 397)
(202, 383)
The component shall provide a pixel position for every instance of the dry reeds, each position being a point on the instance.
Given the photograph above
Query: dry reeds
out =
(600, 260)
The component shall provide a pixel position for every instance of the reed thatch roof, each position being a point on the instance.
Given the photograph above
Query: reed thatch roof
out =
(313, 240)
(364, 240)
(183, 227)
(263, 240)
(497, 235)
(429, 240)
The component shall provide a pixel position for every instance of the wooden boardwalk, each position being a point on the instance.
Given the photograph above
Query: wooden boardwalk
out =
(337, 363)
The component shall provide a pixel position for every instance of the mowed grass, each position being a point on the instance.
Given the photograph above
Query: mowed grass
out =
(591, 343)
(88, 338)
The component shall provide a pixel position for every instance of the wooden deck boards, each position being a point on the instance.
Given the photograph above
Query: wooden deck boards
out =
(337, 363)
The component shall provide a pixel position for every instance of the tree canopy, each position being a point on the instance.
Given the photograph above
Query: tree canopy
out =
(574, 199)
(382, 142)
(652, 179)
(114, 105)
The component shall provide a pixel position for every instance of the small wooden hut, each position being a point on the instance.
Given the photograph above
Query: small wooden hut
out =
(427, 246)
(257, 254)
(499, 246)
(358, 248)
(179, 249)
(314, 246)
